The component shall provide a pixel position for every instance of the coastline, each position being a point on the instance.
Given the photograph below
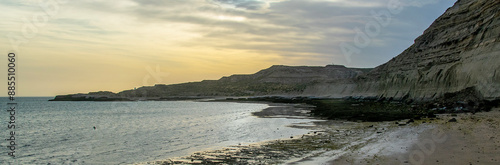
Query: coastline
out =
(267, 151)
(353, 140)
(333, 139)
(348, 142)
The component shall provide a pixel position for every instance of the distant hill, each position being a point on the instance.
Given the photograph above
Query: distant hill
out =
(276, 80)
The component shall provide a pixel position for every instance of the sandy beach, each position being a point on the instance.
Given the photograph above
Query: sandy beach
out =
(471, 139)
(448, 139)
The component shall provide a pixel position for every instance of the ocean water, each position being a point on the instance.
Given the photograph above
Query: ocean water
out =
(131, 132)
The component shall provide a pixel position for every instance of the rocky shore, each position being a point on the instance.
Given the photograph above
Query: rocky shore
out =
(365, 130)
(446, 139)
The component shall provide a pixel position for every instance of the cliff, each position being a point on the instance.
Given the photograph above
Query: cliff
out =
(461, 49)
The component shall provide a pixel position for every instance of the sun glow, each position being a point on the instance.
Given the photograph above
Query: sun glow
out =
(231, 18)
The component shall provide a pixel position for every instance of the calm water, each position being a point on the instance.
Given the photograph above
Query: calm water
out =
(128, 132)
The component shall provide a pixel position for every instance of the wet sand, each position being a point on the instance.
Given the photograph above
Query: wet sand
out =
(472, 139)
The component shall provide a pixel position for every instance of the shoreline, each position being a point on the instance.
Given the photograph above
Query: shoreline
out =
(344, 141)
(333, 139)
(238, 154)
(280, 110)
(295, 149)
(349, 142)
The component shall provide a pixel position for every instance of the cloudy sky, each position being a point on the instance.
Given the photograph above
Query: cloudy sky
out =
(67, 46)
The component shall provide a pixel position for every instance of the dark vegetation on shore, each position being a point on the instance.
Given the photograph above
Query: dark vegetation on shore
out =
(374, 109)
(349, 108)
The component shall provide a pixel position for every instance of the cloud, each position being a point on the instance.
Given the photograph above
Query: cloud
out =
(251, 5)
(418, 3)
(243, 4)
(280, 27)
(191, 38)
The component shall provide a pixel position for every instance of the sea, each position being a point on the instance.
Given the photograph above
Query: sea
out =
(71, 132)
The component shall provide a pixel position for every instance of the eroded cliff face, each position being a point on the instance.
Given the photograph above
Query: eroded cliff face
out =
(460, 49)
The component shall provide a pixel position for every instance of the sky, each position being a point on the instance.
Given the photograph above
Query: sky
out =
(65, 47)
